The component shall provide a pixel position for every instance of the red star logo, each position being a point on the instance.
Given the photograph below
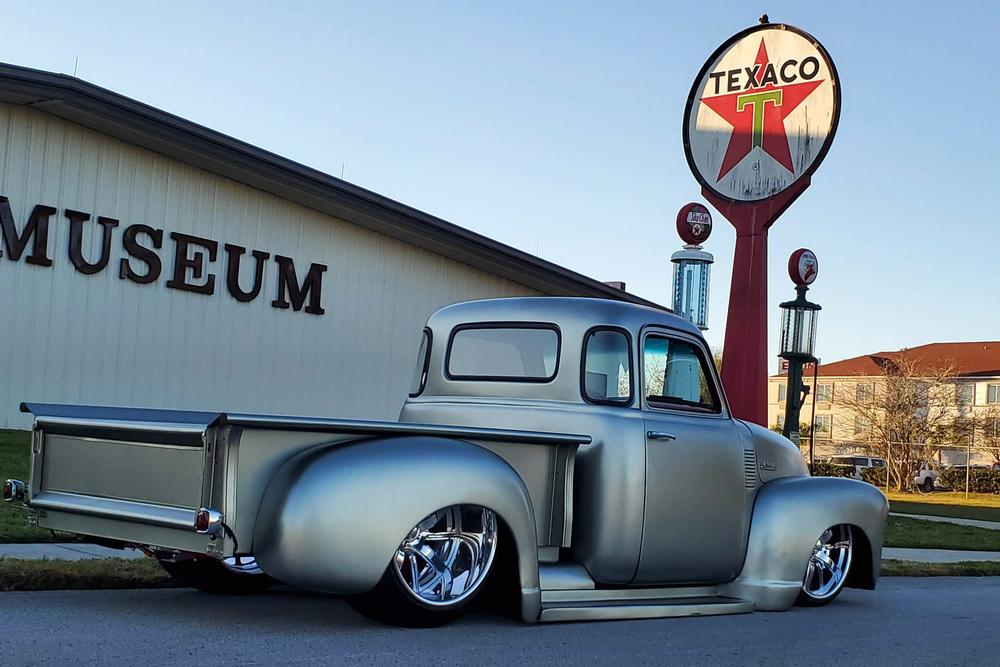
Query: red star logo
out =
(758, 114)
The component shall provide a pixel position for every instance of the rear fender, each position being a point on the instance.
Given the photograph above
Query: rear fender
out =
(333, 516)
(789, 516)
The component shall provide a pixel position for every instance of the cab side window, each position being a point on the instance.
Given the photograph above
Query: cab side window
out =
(607, 367)
(676, 376)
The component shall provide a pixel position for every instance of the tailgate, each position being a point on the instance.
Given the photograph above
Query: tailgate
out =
(126, 474)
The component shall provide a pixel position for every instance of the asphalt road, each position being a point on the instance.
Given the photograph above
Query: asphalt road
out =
(933, 621)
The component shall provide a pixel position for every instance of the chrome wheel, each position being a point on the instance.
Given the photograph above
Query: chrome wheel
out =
(829, 564)
(447, 556)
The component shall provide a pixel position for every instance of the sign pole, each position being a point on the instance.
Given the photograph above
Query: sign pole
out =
(744, 350)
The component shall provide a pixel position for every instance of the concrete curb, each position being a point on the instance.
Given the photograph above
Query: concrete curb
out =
(938, 555)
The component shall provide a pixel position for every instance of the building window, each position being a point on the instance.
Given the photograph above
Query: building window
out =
(781, 420)
(504, 352)
(824, 426)
(781, 393)
(864, 394)
(965, 393)
(607, 361)
(862, 426)
(993, 393)
(824, 393)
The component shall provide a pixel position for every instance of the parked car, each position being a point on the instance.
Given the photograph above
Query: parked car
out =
(580, 450)
(926, 478)
(859, 462)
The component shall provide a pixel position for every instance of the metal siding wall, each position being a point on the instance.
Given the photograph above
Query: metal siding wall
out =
(73, 338)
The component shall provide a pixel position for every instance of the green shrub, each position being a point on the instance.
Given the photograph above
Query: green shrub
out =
(981, 480)
(874, 475)
(824, 469)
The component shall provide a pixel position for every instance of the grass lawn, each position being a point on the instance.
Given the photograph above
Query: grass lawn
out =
(106, 573)
(982, 506)
(916, 534)
(15, 447)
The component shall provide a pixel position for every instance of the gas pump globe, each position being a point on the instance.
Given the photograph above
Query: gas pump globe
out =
(692, 265)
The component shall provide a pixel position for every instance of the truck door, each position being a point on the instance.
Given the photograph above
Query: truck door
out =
(698, 497)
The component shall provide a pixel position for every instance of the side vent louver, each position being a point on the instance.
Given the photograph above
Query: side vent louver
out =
(750, 468)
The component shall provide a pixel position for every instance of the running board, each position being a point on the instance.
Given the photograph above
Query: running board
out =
(569, 594)
(645, 607)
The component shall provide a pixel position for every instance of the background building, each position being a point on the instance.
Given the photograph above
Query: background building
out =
(955, 392)
(149, 261)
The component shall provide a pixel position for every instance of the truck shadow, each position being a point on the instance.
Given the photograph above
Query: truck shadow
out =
(281, 609)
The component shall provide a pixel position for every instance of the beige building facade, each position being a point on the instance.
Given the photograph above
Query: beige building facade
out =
(968, 399)
(148, 261)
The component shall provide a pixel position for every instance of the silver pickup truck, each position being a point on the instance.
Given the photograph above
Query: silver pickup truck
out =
(627, 489)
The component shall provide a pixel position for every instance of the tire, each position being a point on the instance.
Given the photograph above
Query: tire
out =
(215, 576)
(829, 567)
(455, 546)
(927, 486)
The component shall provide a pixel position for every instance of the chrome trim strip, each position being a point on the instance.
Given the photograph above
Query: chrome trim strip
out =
(110, 508)
(359, 427)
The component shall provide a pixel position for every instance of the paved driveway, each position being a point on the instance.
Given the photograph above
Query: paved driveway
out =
(889, 627)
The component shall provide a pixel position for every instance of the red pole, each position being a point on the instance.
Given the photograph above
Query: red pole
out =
(744, 353)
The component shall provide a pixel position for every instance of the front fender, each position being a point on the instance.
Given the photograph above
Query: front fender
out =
(333, 516)
(789, 515)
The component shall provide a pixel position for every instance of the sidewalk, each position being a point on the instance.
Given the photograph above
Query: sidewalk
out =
(67, 551)
(977, 523)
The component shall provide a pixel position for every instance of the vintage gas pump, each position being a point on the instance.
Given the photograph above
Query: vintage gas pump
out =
(798, 338)
(692, 265)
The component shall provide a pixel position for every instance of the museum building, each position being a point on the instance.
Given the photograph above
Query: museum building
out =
(149, 261)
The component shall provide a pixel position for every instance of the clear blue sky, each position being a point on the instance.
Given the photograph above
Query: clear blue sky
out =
(556, 128)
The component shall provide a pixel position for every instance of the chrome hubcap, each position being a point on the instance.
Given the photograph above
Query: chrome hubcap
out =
(829, 563)
(447, 556)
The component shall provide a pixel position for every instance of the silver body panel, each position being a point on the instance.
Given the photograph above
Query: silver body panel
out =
(614, 511)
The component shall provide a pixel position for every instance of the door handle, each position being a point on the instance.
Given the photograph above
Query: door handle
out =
(660, 435)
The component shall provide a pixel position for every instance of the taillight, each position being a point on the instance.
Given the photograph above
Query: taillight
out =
(207, 521)
(13, 490)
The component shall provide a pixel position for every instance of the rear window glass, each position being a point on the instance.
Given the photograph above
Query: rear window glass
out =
(528, 354)
(607, 365)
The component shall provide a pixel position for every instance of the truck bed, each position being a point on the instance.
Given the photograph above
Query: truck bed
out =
(138, 476)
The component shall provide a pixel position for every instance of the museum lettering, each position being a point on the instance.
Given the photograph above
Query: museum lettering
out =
(193, 258)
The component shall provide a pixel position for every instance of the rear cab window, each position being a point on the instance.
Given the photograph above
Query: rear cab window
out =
(419, 380)
(503, 352)
(676, 376)
(607, 366)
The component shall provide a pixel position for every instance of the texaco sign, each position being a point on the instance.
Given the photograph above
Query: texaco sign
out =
(762, 113)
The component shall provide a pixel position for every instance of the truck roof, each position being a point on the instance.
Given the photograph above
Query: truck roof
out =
(565, 312)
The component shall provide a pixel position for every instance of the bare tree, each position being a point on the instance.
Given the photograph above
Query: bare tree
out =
(906, 415)
(987, 425)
